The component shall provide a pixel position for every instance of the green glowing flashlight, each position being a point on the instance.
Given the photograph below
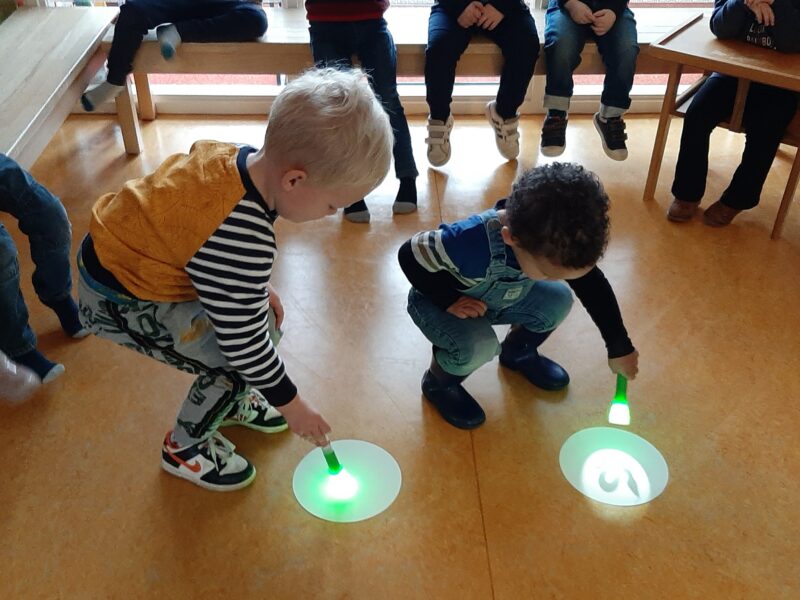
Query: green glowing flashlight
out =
(334, 466)
(619, 413)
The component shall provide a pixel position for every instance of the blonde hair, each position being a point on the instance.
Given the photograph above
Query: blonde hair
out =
(329, 123)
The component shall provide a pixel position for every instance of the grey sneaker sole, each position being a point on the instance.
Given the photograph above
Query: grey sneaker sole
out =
(553, 150)
(403, 208)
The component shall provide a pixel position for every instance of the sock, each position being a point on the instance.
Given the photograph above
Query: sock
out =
(94, 97)
(357, 212)
(67, 312)
(36, 362)
(406, 200)
(169, 39)
(552, 112)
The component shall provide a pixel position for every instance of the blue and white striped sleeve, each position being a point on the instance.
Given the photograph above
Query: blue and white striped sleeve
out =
(230, 272)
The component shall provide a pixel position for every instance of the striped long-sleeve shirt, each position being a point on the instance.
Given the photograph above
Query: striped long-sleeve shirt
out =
(230, 272)
(198, 229)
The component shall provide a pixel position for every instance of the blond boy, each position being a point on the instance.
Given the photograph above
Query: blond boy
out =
(177, 264)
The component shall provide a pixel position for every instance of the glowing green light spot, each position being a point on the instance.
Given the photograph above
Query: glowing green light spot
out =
(340, 487)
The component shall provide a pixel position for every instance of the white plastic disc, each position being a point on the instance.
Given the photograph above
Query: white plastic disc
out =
(367, 485)
(613, 466)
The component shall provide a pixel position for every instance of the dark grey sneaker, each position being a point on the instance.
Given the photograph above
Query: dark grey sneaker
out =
(612, 133)
(554, 135)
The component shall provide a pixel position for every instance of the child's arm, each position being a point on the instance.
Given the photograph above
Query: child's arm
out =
(595, 293)
(730, 19)
(441, 287)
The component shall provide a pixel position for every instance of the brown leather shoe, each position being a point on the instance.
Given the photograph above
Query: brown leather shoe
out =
(681, 211)
(719, 215)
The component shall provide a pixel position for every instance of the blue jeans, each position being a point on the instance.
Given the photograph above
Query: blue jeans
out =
(196, 21)
(43, 219)
(515, 35)
(335, 43)
(563, 42)
(463, 345)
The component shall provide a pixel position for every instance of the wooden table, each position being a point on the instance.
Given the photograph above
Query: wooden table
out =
(693, 46)
(49, 56)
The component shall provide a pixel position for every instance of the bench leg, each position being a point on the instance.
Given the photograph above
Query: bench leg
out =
(129, 120)
(788, 196)
(663, 129)
(147, 108)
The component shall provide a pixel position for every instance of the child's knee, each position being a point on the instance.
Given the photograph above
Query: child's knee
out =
(474, 353)
(254, 21)
(559, 303)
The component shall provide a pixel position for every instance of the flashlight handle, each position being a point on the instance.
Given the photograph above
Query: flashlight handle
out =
(334, 466)
(622, 387)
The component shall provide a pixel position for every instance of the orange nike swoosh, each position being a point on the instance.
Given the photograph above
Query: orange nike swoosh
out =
(193, 467)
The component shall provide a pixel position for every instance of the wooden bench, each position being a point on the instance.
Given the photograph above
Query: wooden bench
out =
(49, 56)
(284, 48)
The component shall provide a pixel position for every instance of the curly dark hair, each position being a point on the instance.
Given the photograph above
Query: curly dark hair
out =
(560, 211)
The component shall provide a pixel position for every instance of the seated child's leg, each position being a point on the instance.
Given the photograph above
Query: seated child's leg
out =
(222, 21)
(447, 41)
(460, 347)
(619, 50)
(768, 112)
(533, 319)
(378, 56)
(712, 104)
(563, 41)
(519, 42)
(136, 17)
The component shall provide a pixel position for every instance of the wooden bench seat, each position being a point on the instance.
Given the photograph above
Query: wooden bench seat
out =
(284, 48)
(49, 56)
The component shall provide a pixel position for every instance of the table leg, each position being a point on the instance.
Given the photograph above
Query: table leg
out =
(129, 120)
(663, 129)
(147, 108)
(788, 196)
(742, 88)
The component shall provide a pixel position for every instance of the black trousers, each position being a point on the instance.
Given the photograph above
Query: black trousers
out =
(767, 113)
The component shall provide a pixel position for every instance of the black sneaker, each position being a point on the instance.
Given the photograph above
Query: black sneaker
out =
(554, 135)
(612, 133)
(252, 410)
(211, 464)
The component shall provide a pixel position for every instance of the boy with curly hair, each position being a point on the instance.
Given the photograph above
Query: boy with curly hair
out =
(506, 266)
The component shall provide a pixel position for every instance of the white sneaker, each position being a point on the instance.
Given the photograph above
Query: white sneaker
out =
(438, 141)
(506, 132)
(211, 464)
(252, 410)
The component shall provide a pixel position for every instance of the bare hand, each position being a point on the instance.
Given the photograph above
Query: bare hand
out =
(471, 14)
(276, 305)
(764, 14)
(305, 421)
(467, 307)
(579, 12)
(627, 365)
(603, 21)
(751, 3)
(491, 17)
